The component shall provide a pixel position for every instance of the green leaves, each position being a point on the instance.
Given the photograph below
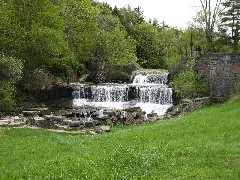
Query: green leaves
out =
(231, 20)
(149, 47)
(10, 74)
(185, 84)
(10, 69)
(112, 42)
(80, 28)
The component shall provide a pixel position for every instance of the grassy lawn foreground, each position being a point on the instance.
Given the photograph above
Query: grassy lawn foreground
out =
(204, 144)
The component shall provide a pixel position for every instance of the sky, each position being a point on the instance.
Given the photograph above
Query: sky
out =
(176, 13)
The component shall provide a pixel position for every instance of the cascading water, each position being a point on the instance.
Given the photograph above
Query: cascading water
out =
(149, 91)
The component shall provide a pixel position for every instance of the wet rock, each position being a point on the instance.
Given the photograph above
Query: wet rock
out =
(94, 114)
(152, 115)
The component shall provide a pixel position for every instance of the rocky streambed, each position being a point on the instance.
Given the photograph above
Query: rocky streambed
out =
(94, 119)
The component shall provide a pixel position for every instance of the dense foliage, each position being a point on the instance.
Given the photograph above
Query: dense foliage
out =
(231, 21)
(10, 74)
(66, 38)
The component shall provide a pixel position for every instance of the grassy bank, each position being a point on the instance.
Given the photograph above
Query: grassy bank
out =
(204, 144)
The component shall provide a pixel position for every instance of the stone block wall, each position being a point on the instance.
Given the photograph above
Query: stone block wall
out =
(221, 71)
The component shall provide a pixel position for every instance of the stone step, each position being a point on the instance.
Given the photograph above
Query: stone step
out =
(61, 127)
(53, 118)
(30, 113)
(5, 121)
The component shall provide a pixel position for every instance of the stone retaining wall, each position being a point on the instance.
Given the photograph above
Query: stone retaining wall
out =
(220, 71)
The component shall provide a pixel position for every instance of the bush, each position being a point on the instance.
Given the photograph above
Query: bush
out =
(237, 88)
(10, 74)
(185, 84)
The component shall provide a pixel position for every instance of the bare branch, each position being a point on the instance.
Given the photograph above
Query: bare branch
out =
(216, 10)
(205, 13)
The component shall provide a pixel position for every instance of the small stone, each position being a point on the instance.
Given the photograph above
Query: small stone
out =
(105, 128)
(17, 119)
(62, 127)
(93, 133)
(38, 118)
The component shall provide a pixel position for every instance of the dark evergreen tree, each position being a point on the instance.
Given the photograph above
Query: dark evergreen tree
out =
(231, 20)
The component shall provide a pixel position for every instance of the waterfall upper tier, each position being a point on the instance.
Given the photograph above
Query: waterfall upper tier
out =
(148, 91)
(151, 79)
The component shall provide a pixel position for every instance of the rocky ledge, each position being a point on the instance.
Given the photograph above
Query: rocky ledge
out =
(96, 120)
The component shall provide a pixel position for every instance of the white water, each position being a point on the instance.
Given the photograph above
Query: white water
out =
(150, 92)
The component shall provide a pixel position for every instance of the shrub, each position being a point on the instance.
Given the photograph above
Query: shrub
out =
(185, 84)
(10, 74)
(237, 88)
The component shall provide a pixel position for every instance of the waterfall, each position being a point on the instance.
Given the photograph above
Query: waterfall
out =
(148, 91)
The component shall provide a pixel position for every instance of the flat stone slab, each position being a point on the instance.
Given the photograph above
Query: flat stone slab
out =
(66, 122)
(17, 119)
(5, 121)
(53, 118)
(38, 119)
(30, 113)
(62, 127)
(74, 123)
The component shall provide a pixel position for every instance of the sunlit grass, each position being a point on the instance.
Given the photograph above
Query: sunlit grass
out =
(204, 144)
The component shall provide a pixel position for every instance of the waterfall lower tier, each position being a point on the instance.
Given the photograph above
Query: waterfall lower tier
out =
(148, 91)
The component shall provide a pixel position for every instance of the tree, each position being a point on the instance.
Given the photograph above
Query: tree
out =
(130, 18)
(149, 46)
(231, 20)
(10, 36)
(80, 29)
(34, 33)
(208, 19)
(113, 44)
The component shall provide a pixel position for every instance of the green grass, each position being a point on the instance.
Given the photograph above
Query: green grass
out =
(204, 144)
